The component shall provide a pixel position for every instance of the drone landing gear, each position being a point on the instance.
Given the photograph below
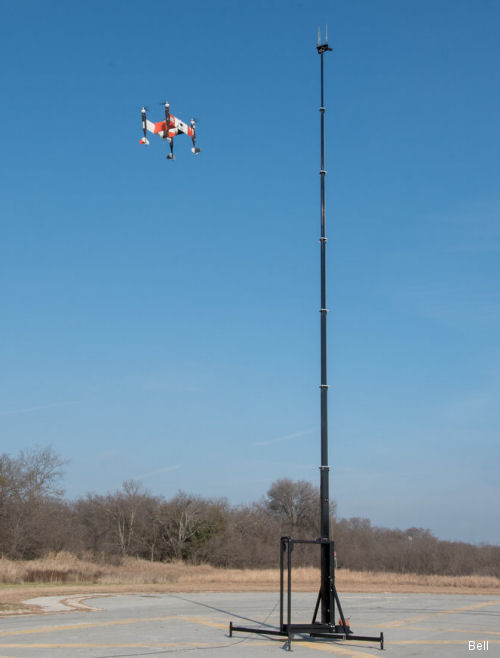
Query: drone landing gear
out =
(195, 149)
(171, 155)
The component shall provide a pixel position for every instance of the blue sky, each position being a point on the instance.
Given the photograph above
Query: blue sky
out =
(160, 319)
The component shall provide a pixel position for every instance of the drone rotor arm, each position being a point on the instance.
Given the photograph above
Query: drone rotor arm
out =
(171, 156)
(192, 133)
(145, 122)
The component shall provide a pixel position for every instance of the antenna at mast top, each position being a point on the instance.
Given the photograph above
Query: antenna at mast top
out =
(323, 47)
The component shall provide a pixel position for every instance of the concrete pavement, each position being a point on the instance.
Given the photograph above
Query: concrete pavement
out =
(160, 624)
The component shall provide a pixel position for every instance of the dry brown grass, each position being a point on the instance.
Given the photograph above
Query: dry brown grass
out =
(65, 573)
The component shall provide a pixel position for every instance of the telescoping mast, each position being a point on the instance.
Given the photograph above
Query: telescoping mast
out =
(327, 628)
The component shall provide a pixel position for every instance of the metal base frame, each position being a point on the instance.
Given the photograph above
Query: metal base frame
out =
(323, 630)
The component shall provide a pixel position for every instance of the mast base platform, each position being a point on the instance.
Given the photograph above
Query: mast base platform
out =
(315, 630)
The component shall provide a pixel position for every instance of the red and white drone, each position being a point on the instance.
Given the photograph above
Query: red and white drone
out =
(168, 129)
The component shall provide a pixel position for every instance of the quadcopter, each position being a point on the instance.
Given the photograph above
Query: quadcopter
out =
(168, 129)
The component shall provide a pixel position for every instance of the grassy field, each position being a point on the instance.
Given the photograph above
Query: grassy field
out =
(66, 574)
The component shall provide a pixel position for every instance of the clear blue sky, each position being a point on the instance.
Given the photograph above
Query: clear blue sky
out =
(160, 319)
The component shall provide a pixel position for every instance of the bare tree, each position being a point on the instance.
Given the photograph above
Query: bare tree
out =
(188, 522)
(125, 510)
(295, 504)
(27, 484)
(42, 471)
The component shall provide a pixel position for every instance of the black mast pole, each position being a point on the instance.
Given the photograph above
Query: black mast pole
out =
(328, 598)
(327, 565)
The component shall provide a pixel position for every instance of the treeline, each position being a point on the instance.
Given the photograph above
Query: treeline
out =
(35, 519)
